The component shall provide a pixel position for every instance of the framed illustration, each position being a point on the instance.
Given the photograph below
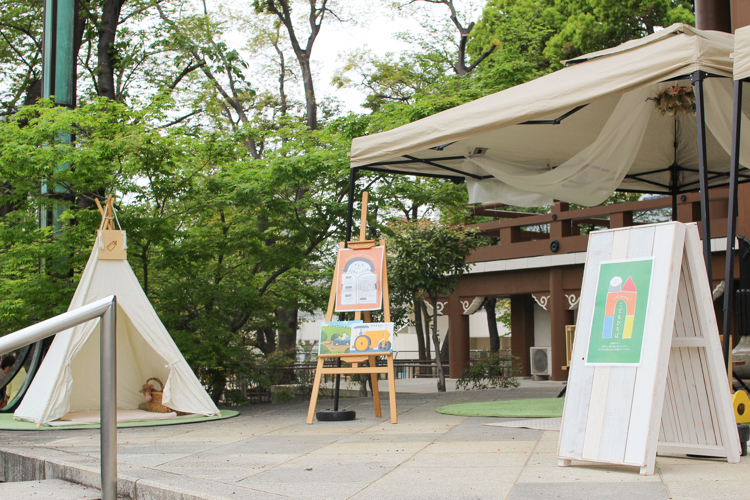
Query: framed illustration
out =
(371, 338)
(360, 279)
(620, 310)
(335, 337)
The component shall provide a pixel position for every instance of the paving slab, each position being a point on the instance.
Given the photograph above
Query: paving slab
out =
(589, 491)
(270, 453)
(50, 488)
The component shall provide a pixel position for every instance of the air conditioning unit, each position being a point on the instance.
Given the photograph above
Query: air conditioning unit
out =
(541, 359)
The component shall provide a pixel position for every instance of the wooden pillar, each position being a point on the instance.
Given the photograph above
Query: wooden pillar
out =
(740, 14)
(743, 210)
(714, 15)
(458, 340)
(522, 330)
(559, 317)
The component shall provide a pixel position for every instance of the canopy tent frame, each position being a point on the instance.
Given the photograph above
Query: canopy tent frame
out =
(734, 175)
(707, 178)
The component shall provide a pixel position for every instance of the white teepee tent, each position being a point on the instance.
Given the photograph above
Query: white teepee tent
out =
(68, 380)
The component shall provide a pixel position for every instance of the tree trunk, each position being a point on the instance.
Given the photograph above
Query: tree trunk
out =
(428, 347)
(490, 305)
(436, 342)
(311, 104)
(444, 349)
(288, 328)
(106, 47)
(417, 306)
(266, 340)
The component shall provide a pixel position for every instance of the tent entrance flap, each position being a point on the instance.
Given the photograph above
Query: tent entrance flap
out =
(136, 362)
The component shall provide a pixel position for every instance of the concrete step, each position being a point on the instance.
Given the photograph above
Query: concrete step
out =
(48, 488)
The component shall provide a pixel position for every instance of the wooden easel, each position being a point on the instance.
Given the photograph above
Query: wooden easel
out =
(355, 361)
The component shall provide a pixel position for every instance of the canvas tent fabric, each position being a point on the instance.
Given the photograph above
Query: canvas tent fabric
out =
(741, 54)
(68, 379)
(580, 133)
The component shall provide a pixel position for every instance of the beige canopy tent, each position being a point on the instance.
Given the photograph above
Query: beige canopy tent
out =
(582, 132)
(592, 128)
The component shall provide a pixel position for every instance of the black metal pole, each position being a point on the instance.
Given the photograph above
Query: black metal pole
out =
(675, 188)
(343, 415)
(350, 213)
(698, 78)
(349, 222)
(734, 167)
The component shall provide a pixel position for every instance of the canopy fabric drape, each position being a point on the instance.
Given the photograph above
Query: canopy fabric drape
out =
(580, 133)
(741, 54)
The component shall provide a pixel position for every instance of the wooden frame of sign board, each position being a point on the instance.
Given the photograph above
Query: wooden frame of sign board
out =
(677, 399)
(355, 360)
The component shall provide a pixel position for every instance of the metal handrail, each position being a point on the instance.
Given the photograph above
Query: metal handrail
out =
(106, 310)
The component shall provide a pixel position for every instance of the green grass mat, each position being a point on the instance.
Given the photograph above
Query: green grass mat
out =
(532, 408)
(8, 424)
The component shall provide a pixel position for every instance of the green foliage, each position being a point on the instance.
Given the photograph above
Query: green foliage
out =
(493, 370)
(429, 257)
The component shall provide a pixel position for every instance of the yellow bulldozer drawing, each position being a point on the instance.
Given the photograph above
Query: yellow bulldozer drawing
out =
(366, 340)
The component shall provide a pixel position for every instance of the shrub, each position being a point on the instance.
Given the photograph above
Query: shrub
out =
(492, 371)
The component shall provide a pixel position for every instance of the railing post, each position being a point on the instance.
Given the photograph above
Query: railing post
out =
(560, 228)
(621, 219)
(108, 401)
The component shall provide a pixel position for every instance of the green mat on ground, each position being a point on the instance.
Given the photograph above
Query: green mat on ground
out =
(8, 424)
(516, 408)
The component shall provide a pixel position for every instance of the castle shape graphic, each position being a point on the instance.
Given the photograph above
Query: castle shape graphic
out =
(619, 313)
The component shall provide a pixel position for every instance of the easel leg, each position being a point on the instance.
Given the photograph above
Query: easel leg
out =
(316, 388)
(375, 391)
(563, 463)
(392, 390)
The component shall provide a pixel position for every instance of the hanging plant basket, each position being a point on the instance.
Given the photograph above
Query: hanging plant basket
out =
(674, 100)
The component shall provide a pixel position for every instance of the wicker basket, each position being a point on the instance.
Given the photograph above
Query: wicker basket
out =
(155, 405)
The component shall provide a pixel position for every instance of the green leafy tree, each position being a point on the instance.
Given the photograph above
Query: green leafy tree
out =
(430, 257)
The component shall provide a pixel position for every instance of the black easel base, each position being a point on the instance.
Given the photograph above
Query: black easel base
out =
(336, 416)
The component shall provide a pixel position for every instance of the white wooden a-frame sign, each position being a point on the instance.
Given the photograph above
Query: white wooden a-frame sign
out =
(677, 399)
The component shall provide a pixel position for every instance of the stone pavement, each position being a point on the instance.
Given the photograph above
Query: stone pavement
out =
(268, 452)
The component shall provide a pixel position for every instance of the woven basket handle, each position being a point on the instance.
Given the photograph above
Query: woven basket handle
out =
(160, 382)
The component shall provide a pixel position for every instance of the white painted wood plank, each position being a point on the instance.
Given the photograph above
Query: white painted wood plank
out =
(689, 315)
(595, 420)
(709, 329)
(709, 390)
(622, 378)
(688, 342)
(601, 380)
(695, 410)
(676, 414)
(651, 378)
(678, 405)
(686, 411)
(666, 423)
(703, 395)
(692, 449)
(710, 421)
(679, 323)
(575, 414)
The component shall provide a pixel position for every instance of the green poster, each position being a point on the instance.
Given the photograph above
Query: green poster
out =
(622, 295)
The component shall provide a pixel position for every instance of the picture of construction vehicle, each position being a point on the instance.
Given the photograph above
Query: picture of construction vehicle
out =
(372, 337)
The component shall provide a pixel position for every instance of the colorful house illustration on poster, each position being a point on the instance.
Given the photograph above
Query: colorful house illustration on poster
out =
(620, 309)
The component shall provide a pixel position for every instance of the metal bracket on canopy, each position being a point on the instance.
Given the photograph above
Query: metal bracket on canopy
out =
(557, 120)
